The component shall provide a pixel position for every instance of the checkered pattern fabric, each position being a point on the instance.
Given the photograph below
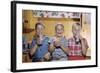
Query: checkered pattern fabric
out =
(75, 49)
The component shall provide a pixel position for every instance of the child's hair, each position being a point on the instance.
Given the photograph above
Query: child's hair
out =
(76, 24)
(59, 24)
(39, 24)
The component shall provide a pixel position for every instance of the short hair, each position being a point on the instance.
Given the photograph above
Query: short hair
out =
(77, 24)
(39, 24)
(59, 24)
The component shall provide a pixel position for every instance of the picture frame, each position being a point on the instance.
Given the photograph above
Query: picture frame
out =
(20, 24)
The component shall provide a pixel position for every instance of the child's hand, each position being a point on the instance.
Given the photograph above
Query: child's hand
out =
(57, 44)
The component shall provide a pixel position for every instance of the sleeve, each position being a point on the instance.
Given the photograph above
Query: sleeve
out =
(69, 42)
(33, 43)
(46, 40)
(25, 44)
(86, 43)
(51, 40)
(65, 43)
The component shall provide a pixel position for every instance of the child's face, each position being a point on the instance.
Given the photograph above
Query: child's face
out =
(76, 31)
(40, 30)
(59, 31)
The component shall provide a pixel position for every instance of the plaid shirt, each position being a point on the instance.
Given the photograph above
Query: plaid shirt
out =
(76, 49)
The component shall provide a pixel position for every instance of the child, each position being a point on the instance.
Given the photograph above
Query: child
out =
(77, 44)
(39, 50)
(58, 45)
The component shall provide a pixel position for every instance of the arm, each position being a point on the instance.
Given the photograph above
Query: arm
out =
(84, 46)
(47, 56)
(66, 50)
(33, 50)
(51, 48)
(64, 46)
(51, 45)
(33, 47)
